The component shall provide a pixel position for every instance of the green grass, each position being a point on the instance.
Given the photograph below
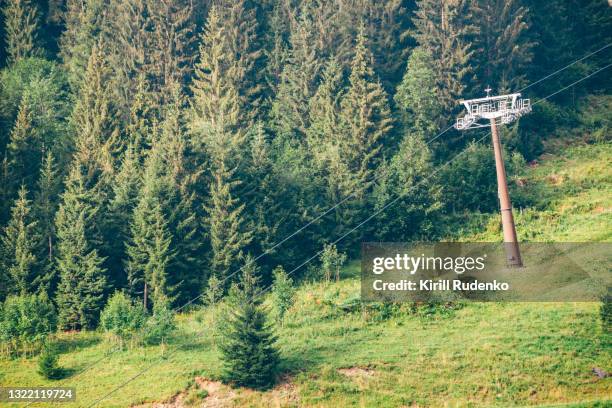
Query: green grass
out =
(483, 354)
(570, 197)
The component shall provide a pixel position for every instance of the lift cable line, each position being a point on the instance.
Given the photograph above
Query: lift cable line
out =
(573, 83)
(331, 208)
(564, 68)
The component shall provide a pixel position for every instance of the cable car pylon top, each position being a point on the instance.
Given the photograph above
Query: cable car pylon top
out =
(503, 109)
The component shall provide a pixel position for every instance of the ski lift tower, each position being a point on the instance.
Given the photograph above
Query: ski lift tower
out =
(492, 111)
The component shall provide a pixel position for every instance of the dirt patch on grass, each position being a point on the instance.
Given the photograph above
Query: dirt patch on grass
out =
(357, 372)
(205, 394)
(219, 394)
(214, 394)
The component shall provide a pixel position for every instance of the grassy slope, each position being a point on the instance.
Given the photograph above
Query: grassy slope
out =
(483, 354)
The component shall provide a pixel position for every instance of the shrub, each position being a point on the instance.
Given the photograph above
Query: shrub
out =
(47, 363)
(121, 317)
(283, 292)
(332, 261)
(27, 320)
(161, 324)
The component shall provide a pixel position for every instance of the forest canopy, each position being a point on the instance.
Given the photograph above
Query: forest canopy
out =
(148, 146)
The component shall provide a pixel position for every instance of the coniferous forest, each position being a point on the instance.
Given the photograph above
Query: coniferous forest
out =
(157, 155)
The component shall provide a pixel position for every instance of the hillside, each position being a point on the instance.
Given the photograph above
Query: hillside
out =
(338, 353)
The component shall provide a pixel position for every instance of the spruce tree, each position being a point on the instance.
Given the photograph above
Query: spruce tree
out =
(365, 115)
(128, 36)
(217, 116)
(226, 223)
(171, 47)
(148, 251)
(23, 150)
(166, 208)
(445, 29)
(21, 26)
(406, 180)
(83, 22)
(503, 46)
(18, 247)
(365, 120)
(243, 48)
(124, 200)
(98, 146)
(298, 82)
(324, 112)
(46, 201)
(82, 277)
(249, 354)
(417, 98)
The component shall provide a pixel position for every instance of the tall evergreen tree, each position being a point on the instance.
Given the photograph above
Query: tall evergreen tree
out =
(124, 200)
(171, 50)
(23, 150)
(18, 247)
(83, 22)
(167, 184)
(503, 47)
(148, 250)
(128, 36)
(217, 115)
(248, 346)
(244, 51)
(324, 113)
(365, 115)
(298, 83)
(445, 29)
(82, 277)
(21, 21)
(417, 98)
(46, 201)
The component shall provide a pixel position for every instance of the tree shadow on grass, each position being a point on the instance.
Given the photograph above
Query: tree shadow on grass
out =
(69, 345)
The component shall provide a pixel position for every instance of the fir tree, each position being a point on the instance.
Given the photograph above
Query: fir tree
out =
(217, 111)
(23, 149)
(228, 234)
(502, 46)
(149, 251)
(298, 82)
(365, 115)
(417, 99)
(365, 120)
(94, 122)
(171, 47)
(242, 45)
(124, 200)
(217, 115)
(21, 22)
(128, 35)
(46, 201)
(82, 276)
(83, 21)
(248, 346)
(324, 112)
(165, 210)
(406, 178)
(18, 247)
(445, 29)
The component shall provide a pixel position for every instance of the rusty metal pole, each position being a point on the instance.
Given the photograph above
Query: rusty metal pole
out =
(513, 255)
